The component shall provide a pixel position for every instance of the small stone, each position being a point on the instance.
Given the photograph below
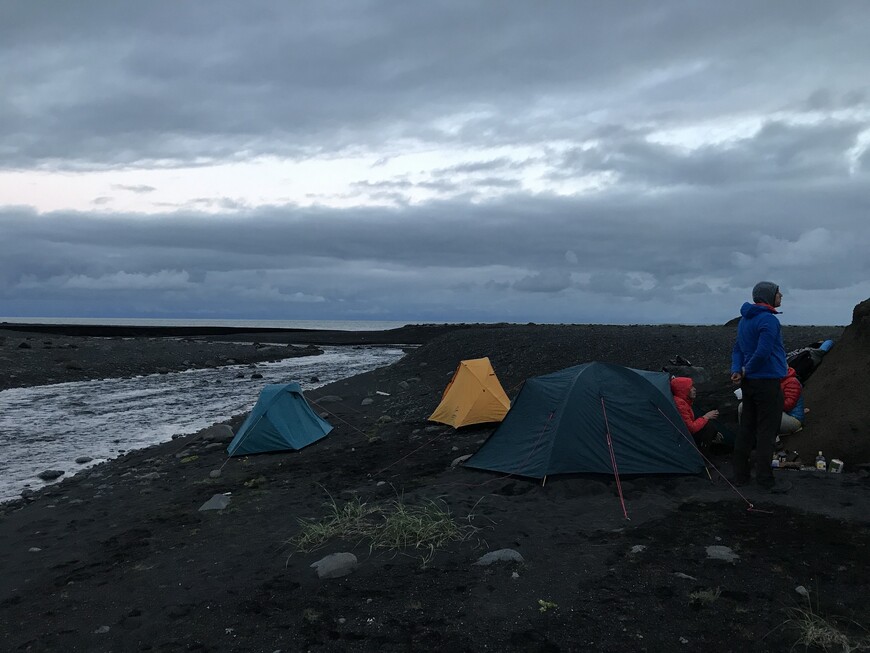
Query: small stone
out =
(800, 589)
(638, 548)
(217, 502)
(501, 555)
(723, 553)
(50, 474)
(515, 575)
(683, 640)
(34, 549)
(367, 401)
(81, 460)
(215, 473)
(335, 565)
(102, 630)
(380, 483)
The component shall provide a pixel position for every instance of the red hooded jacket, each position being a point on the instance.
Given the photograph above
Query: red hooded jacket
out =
(680, 387)
(791, 390)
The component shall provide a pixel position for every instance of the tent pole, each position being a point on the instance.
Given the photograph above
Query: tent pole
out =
(544, 482)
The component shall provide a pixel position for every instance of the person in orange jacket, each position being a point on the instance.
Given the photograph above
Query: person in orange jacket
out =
(683, 389)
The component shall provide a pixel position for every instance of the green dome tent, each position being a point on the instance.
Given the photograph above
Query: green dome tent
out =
(280, 420)
(560, 422)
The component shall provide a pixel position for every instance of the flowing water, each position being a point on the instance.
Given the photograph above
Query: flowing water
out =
(48, 427)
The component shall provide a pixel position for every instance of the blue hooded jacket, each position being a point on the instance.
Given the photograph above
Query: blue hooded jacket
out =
(759, 351)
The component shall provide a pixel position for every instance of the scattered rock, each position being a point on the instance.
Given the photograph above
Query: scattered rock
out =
(724, 553)
(314, 379)
(367, 401)
(50, 474)
(335, 565)
(102, 630)
(460, 460)
(218, 433)
(800, 589)
(638, 548)
(404, 385)
(25, 345)
(215, 473)
(217, 502)
(34, 549)
(256, 375)
(501, 555)
(81, 460)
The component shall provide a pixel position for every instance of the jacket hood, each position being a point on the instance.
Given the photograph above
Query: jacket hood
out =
(749, 311)
(680, 387)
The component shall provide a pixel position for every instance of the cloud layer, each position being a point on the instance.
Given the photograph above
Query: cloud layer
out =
(576, 162)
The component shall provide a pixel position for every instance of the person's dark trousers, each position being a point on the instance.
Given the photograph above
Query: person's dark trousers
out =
(759, 424)
(706, 435)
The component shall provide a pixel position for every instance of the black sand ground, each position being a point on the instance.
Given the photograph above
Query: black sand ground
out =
(125, 560)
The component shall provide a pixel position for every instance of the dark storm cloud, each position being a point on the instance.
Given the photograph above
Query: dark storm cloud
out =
(777, 152)
(100, 85)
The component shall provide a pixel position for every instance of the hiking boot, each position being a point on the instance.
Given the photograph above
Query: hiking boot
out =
(778, 486)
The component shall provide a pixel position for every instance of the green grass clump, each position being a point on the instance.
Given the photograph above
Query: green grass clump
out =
(342, 522)
(815, 631)
(394, 527)
(705, 597)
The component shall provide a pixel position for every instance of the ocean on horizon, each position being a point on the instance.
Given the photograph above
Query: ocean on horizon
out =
(314, 325)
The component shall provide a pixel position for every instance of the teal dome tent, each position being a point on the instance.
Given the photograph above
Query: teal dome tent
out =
(560, 423)
(281, 420)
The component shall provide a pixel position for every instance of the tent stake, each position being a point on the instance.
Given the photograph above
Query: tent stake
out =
(544, 482)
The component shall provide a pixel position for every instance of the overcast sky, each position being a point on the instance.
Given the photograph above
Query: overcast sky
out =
(606, 162)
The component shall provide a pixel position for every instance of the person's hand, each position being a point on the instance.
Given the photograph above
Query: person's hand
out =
(713, 414)
(736, 377)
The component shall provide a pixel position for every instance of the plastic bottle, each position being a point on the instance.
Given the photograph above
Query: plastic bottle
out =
(821, 463)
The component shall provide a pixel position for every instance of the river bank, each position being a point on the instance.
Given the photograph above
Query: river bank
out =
(121, 558)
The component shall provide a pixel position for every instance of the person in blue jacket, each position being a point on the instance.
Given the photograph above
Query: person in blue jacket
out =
(758, 365)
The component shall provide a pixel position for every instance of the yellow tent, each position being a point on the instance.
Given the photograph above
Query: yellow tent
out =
(473, 396)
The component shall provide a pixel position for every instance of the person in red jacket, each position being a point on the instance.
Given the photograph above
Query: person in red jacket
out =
(683, 389)
(793, 405)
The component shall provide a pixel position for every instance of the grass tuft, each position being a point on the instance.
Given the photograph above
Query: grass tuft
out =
(705, 597)
(343, 522)
(394, 527)
(816, 631)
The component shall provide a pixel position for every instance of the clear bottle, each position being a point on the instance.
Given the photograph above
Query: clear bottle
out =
(821, 463)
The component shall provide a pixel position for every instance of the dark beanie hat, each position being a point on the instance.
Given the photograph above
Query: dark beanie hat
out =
(765, 291)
